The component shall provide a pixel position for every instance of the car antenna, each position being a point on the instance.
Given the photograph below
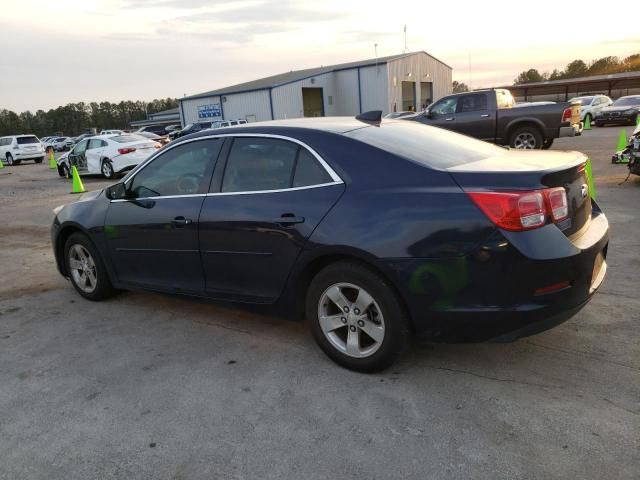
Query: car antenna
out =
(374, 116)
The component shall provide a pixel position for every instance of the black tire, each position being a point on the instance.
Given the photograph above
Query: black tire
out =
(547, 144)
(395, 322)
(532, 135)
(106, 168)
(10, 161)
(17, 162)
(38, 160)
(64, 171)
(103, 288)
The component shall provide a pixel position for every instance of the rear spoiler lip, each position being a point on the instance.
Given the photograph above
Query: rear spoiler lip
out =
(580, 158)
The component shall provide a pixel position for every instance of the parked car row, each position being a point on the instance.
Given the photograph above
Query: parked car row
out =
(107, 155)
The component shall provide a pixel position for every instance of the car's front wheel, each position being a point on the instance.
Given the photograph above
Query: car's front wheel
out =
(86, 269)
(356, 317)
(9, 158)
(63, 171)
(38, 160)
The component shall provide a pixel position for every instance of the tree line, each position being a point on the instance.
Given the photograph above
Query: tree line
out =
(74, 118)
(578, 68)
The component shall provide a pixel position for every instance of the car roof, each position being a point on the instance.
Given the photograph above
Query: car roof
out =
(328, 124)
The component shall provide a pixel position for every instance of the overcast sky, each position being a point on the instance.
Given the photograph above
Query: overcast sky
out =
(55, 52)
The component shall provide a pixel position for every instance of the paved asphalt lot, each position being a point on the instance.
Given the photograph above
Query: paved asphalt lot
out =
(148, 386)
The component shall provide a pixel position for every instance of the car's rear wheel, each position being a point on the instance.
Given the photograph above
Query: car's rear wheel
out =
(526, 138)
(356, 317)
(9, 158)
(107, 168)
(86, 269)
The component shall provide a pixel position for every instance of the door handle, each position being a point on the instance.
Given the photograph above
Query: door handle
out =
(485, 115)
(289, 219)
(449, 119)
(180, 222)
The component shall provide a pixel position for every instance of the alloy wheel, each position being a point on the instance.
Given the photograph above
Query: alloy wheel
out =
(525, 141)
(83, 268)
(351, 320)
(107, 169)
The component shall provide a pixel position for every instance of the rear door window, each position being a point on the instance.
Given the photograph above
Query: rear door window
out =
(308, 171)
(472, 103)
(259, 164)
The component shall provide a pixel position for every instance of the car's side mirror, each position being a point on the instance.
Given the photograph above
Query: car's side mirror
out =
(428, 114)
(117, 191)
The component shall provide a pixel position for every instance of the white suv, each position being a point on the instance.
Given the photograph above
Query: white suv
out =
(16, 148)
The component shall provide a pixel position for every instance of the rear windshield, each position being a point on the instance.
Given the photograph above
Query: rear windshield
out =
(584, 101)
(128, 138)
(430, 146)
(27, 140)
(627, 101)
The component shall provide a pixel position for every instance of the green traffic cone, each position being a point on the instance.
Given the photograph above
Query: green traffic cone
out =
(622, 140)
(1, 164)
(637, 120)
(587, 123)
(78, 187)
(52, 160)
(592, 186)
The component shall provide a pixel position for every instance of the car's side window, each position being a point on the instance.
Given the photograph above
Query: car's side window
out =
(445, 106)
(182, 170)
(94, 143)
(472, 103)
(81, 147)
(258, 164)
(308, 171)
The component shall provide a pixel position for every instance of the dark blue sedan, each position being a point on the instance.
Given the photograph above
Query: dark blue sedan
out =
(376, 231)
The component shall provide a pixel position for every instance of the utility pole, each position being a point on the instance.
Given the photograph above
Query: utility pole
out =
(406, 49)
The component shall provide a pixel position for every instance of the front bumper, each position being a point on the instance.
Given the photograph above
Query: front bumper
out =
(619, 119)
(494, 294)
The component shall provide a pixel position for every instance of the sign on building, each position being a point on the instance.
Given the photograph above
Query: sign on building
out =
(209, 111)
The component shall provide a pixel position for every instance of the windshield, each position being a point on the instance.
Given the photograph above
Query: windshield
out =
(27, 140)
(584, 101)
(430, 146)
(627, 102)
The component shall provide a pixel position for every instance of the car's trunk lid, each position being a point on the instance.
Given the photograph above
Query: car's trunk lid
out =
(518, 170)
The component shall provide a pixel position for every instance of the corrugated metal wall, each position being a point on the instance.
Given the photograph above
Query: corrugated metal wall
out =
(252, 106)
(346, 96)
(423, 68)
(287, 99)
(189, 108)
(373, 85)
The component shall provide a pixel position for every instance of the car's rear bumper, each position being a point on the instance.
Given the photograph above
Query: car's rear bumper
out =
(570, 131)
(17, 155)
(498, 293)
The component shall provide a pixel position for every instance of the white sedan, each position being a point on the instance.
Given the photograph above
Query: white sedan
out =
(107, 155)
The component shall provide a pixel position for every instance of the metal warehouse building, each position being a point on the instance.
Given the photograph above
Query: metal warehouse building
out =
(394, 83)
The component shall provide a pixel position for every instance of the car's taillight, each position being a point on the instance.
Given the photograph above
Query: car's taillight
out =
(519, 211)
(123, 151)
(566, 115)
(557, 203)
